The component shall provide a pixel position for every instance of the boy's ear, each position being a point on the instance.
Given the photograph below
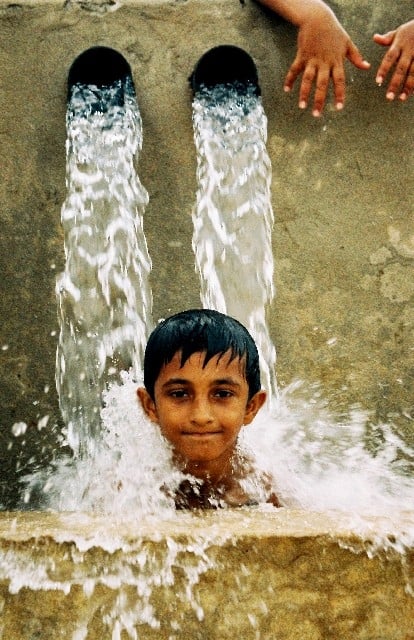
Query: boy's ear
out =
(254, 405)
(147, 404)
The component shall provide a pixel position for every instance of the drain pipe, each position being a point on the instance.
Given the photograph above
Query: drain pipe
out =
(101, 67)
(225, 65)
(104, 297)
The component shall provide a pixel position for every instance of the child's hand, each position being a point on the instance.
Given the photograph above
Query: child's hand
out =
(401, 54)
(323, 45)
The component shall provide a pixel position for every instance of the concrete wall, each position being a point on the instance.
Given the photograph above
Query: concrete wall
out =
(281, 575)
(342, 194)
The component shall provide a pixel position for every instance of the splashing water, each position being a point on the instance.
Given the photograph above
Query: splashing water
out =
(322, 460)
(233, 216)
(103, 295)
(132, 471)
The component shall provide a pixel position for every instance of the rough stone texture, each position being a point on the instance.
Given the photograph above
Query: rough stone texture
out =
(239, 574)
(342, 195)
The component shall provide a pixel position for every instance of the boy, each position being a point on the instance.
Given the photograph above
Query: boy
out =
(202, 385)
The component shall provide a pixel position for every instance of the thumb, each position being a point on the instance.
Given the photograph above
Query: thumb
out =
(353, 54)
(385, 39)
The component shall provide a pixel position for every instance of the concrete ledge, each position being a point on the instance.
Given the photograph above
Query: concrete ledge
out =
(234, 574)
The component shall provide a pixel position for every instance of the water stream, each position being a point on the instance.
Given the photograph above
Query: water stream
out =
(104, 298)
(233, 217)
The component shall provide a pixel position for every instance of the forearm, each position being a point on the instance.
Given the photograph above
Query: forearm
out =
(298, 11)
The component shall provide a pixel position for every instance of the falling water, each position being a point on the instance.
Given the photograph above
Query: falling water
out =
(104, 301)
(103, 294)
(233, 216)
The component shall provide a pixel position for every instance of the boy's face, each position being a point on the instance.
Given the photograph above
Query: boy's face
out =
(201, 409)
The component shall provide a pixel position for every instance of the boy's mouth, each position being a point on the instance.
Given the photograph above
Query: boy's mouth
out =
(200, 434)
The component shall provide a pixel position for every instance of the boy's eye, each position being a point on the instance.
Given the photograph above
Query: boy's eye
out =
(178, 393)
(223, 393)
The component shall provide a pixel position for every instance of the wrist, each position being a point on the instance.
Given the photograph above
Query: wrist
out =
(314, 12)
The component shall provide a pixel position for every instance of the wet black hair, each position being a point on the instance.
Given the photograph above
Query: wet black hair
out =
(200, 330)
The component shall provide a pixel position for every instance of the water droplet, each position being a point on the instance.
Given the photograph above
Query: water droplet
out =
(19, 429)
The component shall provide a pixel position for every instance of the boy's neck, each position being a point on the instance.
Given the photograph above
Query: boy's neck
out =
(220, 484)
(213, 472)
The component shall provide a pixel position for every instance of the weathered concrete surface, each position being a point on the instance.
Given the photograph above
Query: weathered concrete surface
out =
(342, 194)
(248, 574)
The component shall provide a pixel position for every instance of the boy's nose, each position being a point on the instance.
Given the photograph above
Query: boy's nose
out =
(201, 411)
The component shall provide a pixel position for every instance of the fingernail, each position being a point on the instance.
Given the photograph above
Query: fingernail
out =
(286, 88)
(390, 95)
(379, 80)
(302, 104)
(403, 96)
(316, 113)
(339, 106)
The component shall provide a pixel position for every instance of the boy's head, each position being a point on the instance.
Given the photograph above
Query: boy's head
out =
(200, 330)
(202, 384)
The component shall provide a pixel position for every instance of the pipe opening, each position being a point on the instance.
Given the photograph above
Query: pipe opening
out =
(103, 71)
(100, 66)
(225, 65)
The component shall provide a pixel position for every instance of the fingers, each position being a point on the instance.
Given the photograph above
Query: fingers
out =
(338, 78)
(387, 62)
(398, 60)
(295, 69)
(311, 75)
(318, 73)
(318, 77)
(403, 76)
(408, 87)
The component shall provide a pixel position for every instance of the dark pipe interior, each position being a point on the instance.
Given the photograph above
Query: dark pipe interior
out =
(100, 66)
(103, 76)
(227, 65)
